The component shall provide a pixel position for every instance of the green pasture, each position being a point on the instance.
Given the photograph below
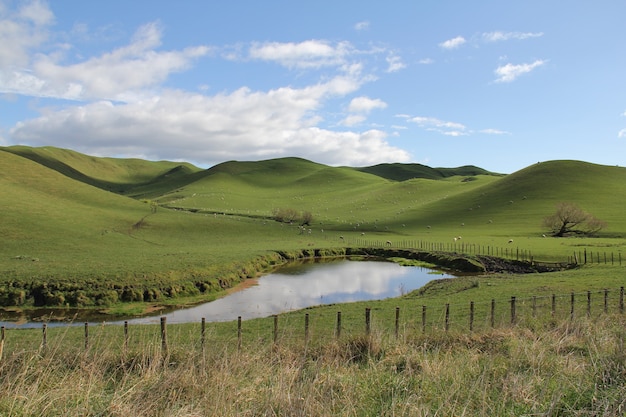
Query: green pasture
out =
(73, 220)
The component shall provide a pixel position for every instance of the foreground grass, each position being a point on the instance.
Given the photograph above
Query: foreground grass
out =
(566, 368)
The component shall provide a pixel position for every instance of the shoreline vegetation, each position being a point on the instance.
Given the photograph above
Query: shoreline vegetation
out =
(50, 296)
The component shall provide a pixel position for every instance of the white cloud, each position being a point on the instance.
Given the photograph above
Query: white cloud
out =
(118, 75)
(307, 54)
(210, 129)
(621, 133)
(365, 104)
(20, 31)
(364, 25)
(440, 126)
(426, 61)
(453, 43)
(494, 132)
(510, 72)
(504, 36)
(395, 63)
(434, 122)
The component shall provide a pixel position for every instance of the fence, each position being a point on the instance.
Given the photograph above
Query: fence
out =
(322, 326)
(509, 252)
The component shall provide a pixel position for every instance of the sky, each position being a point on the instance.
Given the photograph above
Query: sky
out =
(497, 84)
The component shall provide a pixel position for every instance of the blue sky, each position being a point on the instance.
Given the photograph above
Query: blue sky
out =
(500, 85)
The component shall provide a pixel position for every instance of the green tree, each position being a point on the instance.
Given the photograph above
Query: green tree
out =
(569, 219)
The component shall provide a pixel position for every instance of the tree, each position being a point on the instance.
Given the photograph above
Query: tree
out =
(569, 219)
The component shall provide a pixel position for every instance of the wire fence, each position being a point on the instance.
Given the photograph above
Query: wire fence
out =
(319, 326)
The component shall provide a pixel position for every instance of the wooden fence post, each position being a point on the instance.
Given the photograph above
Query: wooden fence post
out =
(306, 329)
(368, 324)
(513, 317)
(606, 301)
(423, 319)
(164, 335)
(447, 323)
(1, 341)
(621, 300)
(86, 336)
(239, 334)
(553, 305)
(571, 311)
(471, 319)
(397, 329)
(202, 333)
(125, 335)
(338, 329)
(534, 306)
(588, 303)
(275, 328)
(493, 313)
(44, 342)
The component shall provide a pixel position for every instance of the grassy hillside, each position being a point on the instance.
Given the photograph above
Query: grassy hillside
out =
(61, 227)
(112, 174)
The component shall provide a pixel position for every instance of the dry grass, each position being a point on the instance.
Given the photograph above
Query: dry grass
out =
(569, 369)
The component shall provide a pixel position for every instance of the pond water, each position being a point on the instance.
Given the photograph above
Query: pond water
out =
(292, 288)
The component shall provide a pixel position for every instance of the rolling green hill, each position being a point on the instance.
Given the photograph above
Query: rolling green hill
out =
(71, 220)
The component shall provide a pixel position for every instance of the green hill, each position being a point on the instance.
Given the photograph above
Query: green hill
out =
(123, 176)
(81, 221)
(403, 172)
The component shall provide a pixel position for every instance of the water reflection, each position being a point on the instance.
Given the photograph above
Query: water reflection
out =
(308, 285)
(291, 288)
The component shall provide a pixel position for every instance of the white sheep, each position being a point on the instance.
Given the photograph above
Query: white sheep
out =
(510, 240)
(389, 243)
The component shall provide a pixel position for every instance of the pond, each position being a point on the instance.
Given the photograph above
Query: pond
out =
(292, 287)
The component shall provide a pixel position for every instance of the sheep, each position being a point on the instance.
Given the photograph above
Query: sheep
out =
(389, 243)
(510, 240)
(341, 237)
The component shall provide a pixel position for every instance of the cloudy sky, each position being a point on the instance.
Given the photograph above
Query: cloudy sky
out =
(496, 84)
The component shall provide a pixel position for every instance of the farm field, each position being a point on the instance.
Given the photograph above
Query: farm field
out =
(130, 235)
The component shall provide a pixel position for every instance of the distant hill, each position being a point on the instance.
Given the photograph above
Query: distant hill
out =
(122, 176)
(403, 172)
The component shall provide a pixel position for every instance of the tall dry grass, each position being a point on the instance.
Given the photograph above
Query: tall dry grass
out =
(567, 369)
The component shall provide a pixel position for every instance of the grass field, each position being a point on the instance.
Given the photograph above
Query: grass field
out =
(97, 231)
(78, 229)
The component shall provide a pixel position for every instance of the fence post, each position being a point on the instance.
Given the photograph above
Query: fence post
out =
(447, 324)
(368, 327)
(397, 321)
(471, 320)
(423, 319)
(1, 341)
(553, 305)
(125, 335)
(621, 300)
(534, 305)
(275, 328)
(44, 342)
(306, 329)
(571, 311)
(86, 336)
(164, 334)
(239, 334)
(606, 300)
(588, 303)
(202, 333)
(513, 318)
(493, 313)
(338, 330)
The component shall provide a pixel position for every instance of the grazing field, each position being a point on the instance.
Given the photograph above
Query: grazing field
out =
(131, 235)
(96, 232)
